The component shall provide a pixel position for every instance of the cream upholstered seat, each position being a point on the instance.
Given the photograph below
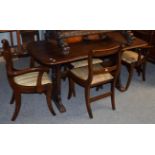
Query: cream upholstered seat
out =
(130, 56)
(82, 73)
(30, 79)
(83, 63)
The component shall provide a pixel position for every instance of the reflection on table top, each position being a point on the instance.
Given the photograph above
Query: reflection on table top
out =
(50, 54)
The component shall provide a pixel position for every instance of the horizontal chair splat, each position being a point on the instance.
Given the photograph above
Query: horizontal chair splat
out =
(95, 98)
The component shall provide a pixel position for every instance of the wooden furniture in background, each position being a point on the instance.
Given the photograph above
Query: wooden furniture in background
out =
(30, 80)
(95, 75)
(149, 36)
(63, 38)
(29, 36)
(23, 38)
(19, 47)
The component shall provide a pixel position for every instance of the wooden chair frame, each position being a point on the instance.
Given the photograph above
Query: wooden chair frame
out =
(139, 65)
(19, 89)
(109, 67)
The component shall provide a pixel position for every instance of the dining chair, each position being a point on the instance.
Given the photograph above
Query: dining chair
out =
(135, 59)
(30, 80)
(95, 75)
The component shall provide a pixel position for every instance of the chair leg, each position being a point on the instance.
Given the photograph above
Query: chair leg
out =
(17, 106)
(64, 73)
(32, 62)
(138, 69)
(71, 89)
(113, 96)
(130, 70)
(49, 102)
(12, 99)
(144, 72)
(87, 98)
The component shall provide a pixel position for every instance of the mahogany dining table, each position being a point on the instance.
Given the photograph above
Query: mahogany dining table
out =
(50, 54)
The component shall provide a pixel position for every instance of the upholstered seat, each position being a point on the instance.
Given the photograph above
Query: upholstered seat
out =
(30, 79)
(82, 73)
(130, 56)
(83, 63)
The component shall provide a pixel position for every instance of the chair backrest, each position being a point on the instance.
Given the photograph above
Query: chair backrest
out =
(7, 54)
(111, 61)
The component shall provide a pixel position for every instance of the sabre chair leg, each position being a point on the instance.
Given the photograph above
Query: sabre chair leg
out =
(71, 89)
(113, 96)
(17, 106)
(12, 99)
(130, 70)
(49, 102)
(144, 72)
(87, 98)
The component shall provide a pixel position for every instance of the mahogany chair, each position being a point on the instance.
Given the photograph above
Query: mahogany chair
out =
(98, 74)
(135, 59)
(30, 80)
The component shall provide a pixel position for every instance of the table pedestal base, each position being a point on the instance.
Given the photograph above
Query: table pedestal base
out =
(56, 93)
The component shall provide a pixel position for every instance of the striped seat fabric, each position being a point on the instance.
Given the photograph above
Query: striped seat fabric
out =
(30, 79)
(83, 63)
(82, 73)
(130, 56)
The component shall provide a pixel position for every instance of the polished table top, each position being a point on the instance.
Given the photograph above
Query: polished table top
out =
(50, 54)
